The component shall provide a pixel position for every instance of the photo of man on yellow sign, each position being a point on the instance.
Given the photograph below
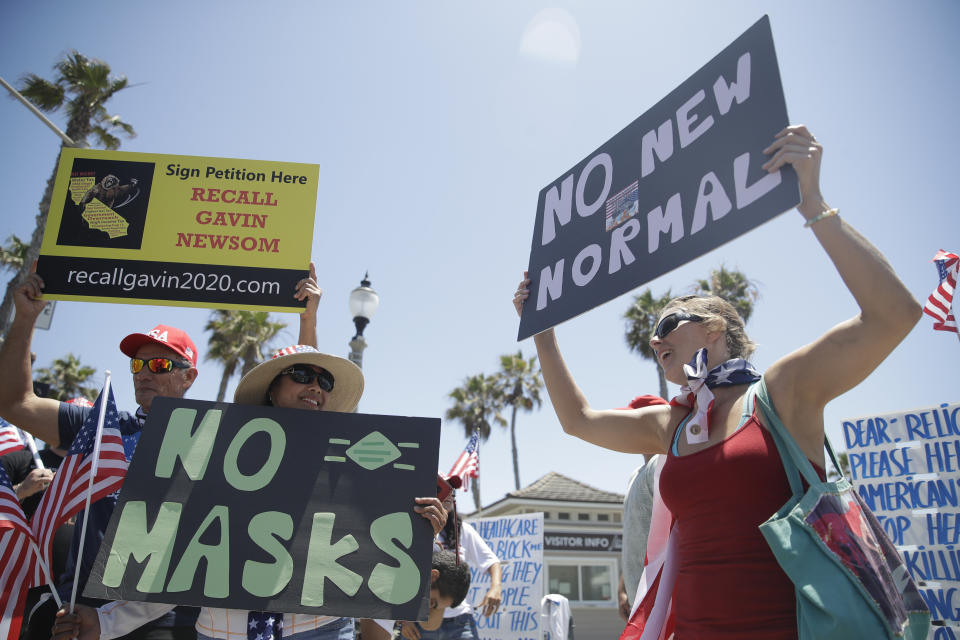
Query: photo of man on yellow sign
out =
(178, 230)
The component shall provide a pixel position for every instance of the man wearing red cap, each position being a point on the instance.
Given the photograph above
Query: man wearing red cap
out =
(163, 362)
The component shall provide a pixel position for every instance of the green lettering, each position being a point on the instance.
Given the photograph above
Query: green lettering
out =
(217, 580)
(401, 583)
(322, 562)
(133, 539)
(260, 479)
(266, 579)
(193, 447)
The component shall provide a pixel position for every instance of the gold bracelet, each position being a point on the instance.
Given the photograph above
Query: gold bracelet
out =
(829, 213)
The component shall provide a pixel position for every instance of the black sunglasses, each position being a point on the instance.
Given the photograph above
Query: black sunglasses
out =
(670, 322)
(303, 374)
(156, 365)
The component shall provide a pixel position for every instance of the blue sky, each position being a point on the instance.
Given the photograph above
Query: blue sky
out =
(435, 125)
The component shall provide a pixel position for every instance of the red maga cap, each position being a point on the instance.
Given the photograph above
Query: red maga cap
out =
(170, 337)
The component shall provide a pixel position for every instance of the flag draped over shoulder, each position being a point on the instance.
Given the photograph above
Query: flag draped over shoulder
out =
(67, 494)
(940, 303)
(17, 559)
(10, 438)
(468, 464)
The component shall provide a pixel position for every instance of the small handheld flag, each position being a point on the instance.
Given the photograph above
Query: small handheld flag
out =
(11, 438)
(468, 464)
(67, 494)
(940, 303)
(16, 559)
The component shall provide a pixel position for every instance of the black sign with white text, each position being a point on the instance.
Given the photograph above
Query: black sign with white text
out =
(267, 509)
(682, 179)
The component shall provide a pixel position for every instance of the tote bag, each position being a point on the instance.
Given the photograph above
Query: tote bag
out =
(849, 579)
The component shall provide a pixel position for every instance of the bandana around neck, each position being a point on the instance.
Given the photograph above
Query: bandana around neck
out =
(699, 385)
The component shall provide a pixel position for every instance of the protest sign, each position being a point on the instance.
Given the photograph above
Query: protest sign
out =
(906, 467)
(518, 542)
(682, 179)
(267, 509)
(178, 230)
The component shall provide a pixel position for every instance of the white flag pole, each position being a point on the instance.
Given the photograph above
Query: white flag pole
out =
(32, 445)
(46, 573)
(93, 473)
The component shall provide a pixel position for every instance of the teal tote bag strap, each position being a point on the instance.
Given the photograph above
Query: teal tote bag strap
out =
(787, 446)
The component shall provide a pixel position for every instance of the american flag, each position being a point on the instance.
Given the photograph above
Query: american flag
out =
(940, 303)
(67, 494)
(10, 438)
(468, 464)
(17, 559)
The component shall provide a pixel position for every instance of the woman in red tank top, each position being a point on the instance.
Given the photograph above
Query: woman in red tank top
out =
(723, 475)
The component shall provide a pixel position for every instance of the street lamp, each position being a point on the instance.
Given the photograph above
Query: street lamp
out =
(363, 304)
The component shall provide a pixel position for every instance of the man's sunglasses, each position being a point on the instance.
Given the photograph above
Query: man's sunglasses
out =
(670, 322)
(156, 365)
(303, 374)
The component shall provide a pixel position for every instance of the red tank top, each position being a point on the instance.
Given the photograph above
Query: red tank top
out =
(729, 585)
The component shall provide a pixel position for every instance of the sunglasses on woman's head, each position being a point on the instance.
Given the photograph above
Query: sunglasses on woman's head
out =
(156, 365)
(670, 322)
(302, 374)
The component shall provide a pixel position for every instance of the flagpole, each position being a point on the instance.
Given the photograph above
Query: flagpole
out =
(46, 573)
(33, 449)
(93, 474)
(477, 479)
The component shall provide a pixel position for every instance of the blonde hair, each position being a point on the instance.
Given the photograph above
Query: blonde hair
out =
(718, 315)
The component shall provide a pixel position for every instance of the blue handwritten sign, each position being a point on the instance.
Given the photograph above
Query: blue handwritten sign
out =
(518, 543)
(906, 467)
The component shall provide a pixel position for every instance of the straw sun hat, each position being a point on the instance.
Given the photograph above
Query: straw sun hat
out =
(347, 385)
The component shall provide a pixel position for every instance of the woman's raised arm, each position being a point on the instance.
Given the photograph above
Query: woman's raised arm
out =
(802, 382)
(634, 431)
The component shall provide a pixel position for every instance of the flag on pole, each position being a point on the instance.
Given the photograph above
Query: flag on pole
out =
(17, 559)
(11, 438)
(66, 495)
(32, 445)
(468, 464)
(940, 303)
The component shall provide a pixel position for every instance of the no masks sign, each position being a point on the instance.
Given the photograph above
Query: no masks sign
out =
(269, 509)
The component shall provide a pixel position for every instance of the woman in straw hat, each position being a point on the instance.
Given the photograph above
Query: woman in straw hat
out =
(296, 377)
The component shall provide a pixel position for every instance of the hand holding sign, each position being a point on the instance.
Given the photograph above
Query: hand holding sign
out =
(796, 146)
(309, 290)
(82, 624)
(679, 181)
(27, 297)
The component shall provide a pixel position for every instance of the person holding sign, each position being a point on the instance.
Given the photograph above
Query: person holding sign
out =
(163, 363)
(297, 377)
(723, 475)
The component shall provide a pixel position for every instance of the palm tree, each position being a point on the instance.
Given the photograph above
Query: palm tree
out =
(520, 385)
(477, 404)
(81, 86)
(12, 256)
(734, 287)
(66, 377)
(641, 320)
(222, 347)
(238, 339)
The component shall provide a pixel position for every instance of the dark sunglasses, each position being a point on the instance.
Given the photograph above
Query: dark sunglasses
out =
(670, 322)
(156, 365)
(302, 374)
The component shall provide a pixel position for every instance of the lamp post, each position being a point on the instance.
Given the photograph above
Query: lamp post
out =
(363, 304)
